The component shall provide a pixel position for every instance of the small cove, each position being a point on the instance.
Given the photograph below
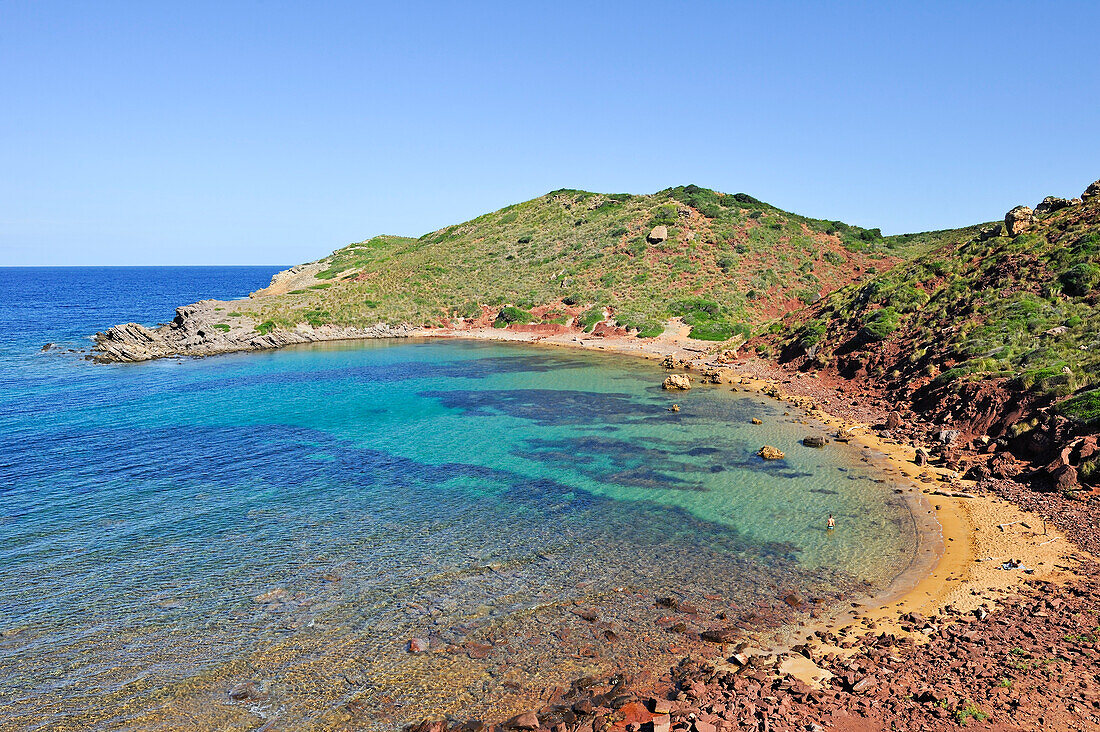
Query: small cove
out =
(174, 529)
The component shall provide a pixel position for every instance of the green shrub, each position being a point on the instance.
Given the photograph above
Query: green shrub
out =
(265, 327)
(711, 331)
(234, 314)
(469, 309)
(1080, 279)
(879, 324)
(223, 327)
(588, 319)
(696, 310)
(317, 317)
(511, 314)
(812, 333)
(727, 262)
(664, 214)
(1083, 408)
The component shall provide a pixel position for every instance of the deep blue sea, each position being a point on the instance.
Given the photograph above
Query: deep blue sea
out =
(282, 523)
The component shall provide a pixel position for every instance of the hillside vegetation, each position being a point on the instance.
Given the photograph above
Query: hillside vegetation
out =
(1014, 311)
(726, 264)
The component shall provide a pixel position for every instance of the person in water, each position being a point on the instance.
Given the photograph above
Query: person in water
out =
(831, 523)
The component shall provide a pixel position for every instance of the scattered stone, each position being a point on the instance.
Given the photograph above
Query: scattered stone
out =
(720, 635)
(526, 720)
(674, 408)
(771, 453)
(276, 595)
(757, 421)
(585, 613)
(680, 382)
(417, 645)
(245, 691)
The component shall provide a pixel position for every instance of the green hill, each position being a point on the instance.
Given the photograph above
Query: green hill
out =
(989, 330)
(726, 263)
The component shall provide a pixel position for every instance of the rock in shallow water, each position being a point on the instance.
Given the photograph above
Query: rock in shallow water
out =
(771, 453)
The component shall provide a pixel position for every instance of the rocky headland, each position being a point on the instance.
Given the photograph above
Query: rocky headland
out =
(204, 329)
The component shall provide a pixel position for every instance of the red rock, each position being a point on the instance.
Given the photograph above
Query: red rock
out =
(526, 720)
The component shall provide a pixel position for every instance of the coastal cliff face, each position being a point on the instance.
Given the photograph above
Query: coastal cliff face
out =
(205, 329)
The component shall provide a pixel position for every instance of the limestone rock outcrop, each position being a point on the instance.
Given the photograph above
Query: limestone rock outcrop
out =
(1018, 220)
(658, 235)
(203, 329)
(677, 382)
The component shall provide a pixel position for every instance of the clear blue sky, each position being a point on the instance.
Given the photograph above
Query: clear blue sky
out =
(272, 133)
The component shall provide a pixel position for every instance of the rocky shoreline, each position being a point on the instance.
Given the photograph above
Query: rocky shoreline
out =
(1030, 666)
(854, 677)
(203, 329)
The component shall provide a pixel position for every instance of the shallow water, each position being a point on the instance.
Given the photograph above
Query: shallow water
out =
(171, 530)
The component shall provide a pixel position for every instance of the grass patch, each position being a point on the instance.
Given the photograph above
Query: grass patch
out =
(1084, 408)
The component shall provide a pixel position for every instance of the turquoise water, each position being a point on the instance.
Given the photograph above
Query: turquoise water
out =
(172, 530)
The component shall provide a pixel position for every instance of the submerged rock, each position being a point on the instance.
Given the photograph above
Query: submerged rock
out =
(814, 441)
(771, 453)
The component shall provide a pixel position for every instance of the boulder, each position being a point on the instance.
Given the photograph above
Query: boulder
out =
(893, 421)
(1018, 220)
(1051, 204)
(417, 645)
(712, 376)
(1092, 192)
(771, 453)
(814, 441)
(991, 231)
(948, 436)
(679, 382)
(527, 720)
(245, 691)
(720, 635)
(922, 457)
(658, 235)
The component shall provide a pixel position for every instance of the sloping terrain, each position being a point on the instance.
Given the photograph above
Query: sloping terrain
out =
(722, 262)
(996, 334)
